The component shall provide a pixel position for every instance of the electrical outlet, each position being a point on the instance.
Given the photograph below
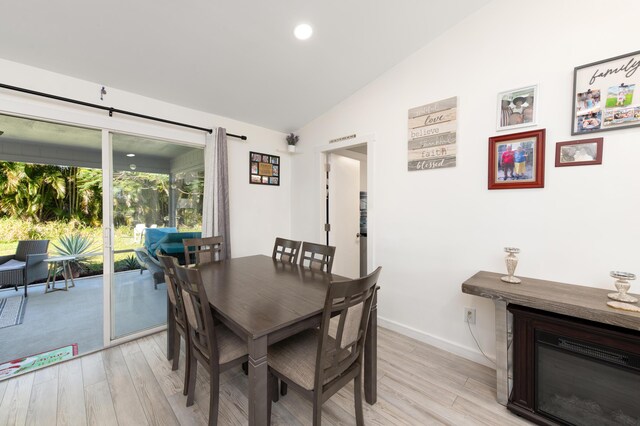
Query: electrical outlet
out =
(470, 315)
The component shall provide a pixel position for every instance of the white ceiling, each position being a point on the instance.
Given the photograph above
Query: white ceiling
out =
(234, 58)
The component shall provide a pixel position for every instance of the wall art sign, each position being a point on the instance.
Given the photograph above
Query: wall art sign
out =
(264, 169)
(517, 108)
(585, 152)
(606, 95)
(432, 135)
(517, 160)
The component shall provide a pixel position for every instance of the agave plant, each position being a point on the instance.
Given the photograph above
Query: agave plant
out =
(130, 263)
(75, 245)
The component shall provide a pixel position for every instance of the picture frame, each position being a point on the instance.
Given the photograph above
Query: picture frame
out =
(264, 169)
(517, 108)
(585, 152)
(606, 95)
(505, 169)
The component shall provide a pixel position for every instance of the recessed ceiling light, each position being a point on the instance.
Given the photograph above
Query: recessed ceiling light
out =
(303, 31)
(131, 155)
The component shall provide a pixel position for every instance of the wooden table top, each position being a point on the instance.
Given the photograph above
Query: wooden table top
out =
(574, 300)
(261, 295)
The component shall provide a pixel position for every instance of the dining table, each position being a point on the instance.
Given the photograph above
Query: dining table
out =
(264, 301)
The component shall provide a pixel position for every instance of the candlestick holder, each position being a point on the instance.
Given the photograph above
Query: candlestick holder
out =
(622, 284)
(512, 261)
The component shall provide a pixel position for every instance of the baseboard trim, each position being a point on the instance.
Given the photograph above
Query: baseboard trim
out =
(468, 353)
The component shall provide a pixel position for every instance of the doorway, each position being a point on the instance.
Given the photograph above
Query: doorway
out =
(346, 208)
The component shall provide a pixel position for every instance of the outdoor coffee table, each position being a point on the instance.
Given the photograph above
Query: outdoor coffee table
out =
(54, 262)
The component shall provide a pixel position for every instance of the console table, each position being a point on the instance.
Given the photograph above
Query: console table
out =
(573, 300)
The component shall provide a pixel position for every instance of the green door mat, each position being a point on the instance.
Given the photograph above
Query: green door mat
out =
(33, 362)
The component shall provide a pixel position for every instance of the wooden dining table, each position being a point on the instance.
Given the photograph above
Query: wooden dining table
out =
(264, 301)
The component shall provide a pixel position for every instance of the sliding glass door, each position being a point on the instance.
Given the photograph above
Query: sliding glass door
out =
(156, 194)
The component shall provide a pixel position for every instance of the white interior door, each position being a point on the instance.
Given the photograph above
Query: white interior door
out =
(344, 214)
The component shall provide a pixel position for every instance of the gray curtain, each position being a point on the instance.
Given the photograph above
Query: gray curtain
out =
(222, 192)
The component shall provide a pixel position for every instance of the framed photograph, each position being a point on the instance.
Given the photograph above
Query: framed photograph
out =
(264, 169)
(584, 152)
(605, 96)
(517, 108)
(517, 160)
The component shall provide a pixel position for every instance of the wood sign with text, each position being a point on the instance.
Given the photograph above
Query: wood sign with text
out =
(432, 135)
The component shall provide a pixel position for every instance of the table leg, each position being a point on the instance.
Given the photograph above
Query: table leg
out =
(371, 355)
(50, 273)
(73, 284)
(258, 374)
(502, 349)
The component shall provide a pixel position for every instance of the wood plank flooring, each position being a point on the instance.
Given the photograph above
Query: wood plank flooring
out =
(133, 384)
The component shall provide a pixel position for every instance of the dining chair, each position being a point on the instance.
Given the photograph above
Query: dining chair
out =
(178, 316)
(286, 250)
(213, 345)
(317, 257)
(202, 250)
(319, 365)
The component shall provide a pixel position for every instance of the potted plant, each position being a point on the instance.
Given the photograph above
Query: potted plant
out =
(292, 140)
(75, 245)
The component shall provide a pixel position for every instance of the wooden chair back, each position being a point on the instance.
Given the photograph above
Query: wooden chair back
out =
(199, 315)
(348, 302)
(168, 265)
(317, 257)
(202, 250)
(286, 250)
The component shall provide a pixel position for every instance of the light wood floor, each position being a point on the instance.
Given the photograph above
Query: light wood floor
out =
(133, 384)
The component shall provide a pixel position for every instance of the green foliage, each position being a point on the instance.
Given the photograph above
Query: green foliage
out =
(76, 245)
(127, 264)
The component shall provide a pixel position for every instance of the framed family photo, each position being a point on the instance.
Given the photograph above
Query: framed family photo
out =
(264, 169)
(517, 108)
(517, 160)
(606, 95)
(584, 152)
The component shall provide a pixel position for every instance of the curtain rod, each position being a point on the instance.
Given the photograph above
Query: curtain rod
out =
(112, 110)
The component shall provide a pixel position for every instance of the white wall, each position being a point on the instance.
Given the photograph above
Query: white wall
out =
(258, 213)
(433, 229)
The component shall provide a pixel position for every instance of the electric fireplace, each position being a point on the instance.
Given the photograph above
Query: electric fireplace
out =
(569, 371)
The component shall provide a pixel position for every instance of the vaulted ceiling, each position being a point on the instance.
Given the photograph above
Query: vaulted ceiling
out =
(234, 58)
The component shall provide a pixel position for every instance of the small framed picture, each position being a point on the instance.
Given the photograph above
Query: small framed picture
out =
(517, 108)
(517, 160)
(584, 152)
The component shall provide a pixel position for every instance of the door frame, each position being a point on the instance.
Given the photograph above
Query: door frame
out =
(44, 110)
(321, 160)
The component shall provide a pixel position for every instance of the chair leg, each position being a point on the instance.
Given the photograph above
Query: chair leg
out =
(191, 381)
(357, 392)
(187, 364)
(176, 350)
(214, 396)
(245, 368)
(283, 388)
(25, 291)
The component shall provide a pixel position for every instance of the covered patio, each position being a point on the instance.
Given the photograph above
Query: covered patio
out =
(61, 318)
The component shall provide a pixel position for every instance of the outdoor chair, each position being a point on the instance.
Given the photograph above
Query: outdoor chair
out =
(26, 266)
(319, 362)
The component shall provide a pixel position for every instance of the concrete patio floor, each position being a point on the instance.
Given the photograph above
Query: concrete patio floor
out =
(61, 318)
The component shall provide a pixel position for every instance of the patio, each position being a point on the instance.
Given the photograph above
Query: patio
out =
(61, 318)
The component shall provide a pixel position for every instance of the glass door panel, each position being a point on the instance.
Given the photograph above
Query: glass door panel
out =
(157, 197)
